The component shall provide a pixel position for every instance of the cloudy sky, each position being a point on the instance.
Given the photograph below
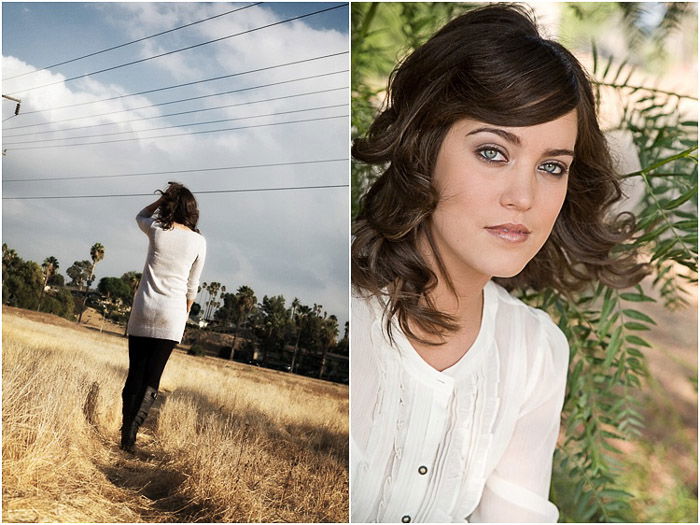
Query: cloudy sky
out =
(293, 242)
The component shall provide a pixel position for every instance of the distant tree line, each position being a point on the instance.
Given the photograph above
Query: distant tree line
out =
(24, 284)
(295, 338)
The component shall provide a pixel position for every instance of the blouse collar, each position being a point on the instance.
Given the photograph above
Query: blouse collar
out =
(418, 367)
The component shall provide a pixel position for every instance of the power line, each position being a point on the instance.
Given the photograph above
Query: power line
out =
(245, 190)
(180, 134)
(240, 90)
(187, 83)
(200, 110)
(179, 50)
(344, 104)
(168, 103)
(176, 172)
(133, 41)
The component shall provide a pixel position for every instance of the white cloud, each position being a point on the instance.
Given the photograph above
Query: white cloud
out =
(291, 243)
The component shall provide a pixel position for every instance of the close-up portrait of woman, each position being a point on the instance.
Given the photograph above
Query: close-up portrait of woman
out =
(508, 255)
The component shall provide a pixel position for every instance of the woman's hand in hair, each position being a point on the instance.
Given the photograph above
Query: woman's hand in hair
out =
(151, 208)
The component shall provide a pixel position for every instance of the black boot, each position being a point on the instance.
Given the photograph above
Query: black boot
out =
(129, 407)
(149, 397)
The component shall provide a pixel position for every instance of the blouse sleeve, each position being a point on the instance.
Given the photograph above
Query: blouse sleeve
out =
(518, 488)
(144, 220)
(196, 272)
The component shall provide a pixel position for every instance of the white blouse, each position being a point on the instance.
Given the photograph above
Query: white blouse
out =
(473, 443)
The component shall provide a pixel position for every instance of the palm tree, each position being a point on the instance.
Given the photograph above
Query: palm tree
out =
(203, 287)
(49, 266)
(295, 304)
(133, 279)
(329, 332)
(302, 314)
(221, 295)
(213, 289)
(275, 321)
(245, 301)
(199, 290)
(97, 253)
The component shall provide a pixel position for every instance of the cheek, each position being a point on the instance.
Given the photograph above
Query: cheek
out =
(466, 190)
(466, 206)
(553, 202)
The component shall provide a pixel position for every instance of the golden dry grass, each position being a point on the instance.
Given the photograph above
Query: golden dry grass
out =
(224, 443)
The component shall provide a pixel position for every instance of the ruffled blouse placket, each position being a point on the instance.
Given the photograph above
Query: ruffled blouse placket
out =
(444, 424)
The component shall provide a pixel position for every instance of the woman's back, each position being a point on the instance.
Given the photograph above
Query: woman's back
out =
(171, 254)
(170, 278)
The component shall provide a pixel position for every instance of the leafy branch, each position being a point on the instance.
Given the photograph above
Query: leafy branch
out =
(625, 85)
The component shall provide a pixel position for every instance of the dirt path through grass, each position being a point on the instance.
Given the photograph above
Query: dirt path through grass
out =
(146, 481)
(148, 477)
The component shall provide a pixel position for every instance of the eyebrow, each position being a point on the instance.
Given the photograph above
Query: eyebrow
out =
(558, 152)
(514, 139)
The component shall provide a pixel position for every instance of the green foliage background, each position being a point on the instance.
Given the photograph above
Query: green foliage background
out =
(605, 327)
(22, 283)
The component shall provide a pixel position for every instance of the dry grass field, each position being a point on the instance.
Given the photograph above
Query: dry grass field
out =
(224, 443)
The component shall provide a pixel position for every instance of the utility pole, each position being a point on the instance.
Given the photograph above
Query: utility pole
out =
(13, 99)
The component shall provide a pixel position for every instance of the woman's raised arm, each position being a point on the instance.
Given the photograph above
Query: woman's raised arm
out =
(143, 218)
(151, 208)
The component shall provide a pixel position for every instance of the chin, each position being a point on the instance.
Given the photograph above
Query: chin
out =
(506, 270)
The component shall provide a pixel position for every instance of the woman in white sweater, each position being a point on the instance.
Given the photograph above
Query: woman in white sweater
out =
(493, 168)
(161, 305)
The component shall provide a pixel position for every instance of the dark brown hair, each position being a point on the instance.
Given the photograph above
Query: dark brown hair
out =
(490, 65)
(178, 205)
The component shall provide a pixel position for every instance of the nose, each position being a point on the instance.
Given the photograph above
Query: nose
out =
(519, 192)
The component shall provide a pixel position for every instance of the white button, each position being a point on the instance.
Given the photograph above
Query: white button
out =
(422, 470)
(406, 519)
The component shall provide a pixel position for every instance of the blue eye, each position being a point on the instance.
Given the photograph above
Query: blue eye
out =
(553, 168)
(491, 154)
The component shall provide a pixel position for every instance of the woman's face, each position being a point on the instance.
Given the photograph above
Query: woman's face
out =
(501, 189)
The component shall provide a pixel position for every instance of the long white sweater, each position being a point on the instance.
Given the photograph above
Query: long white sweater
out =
(170, 277)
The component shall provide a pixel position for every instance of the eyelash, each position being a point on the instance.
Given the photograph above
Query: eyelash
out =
(564, 169)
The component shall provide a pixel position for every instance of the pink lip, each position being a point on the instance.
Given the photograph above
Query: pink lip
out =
(515, 233)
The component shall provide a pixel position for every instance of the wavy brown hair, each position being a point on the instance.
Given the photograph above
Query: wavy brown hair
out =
(491, 65)
(179, 205)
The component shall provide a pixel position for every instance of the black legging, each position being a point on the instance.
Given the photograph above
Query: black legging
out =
(147, 359)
